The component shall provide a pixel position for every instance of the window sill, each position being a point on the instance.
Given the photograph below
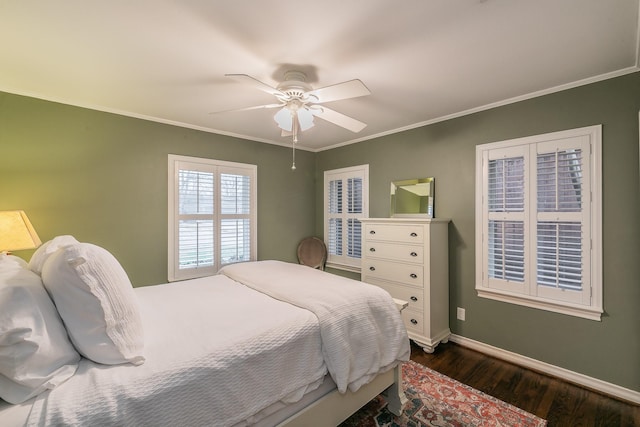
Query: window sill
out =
(590, 313)
(344, 267)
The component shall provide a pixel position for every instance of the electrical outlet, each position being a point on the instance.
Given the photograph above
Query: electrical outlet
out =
(461, 314)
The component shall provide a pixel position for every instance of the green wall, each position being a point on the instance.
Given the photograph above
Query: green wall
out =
(608, 350)
(103, 179)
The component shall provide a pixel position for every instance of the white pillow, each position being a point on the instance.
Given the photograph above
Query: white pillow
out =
(10, 264)
(46, 249)
(35, 352)
(96, 302)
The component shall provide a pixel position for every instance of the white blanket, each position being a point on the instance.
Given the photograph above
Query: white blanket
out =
(362, 330)
(216, 352)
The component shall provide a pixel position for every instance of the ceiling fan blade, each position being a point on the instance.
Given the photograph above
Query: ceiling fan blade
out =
(339, 119)
(257, 107)
(350, 89)
(243, 78)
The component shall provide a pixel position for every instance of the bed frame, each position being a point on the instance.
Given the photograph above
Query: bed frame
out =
(333, 408)
(328, 411)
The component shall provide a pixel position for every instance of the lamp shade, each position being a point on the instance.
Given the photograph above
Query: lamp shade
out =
(16, 232)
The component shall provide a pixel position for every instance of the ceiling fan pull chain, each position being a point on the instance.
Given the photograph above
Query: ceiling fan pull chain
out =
(294, 128)
(293, 165)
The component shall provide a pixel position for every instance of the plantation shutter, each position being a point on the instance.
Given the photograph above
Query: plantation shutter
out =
(355, 210)
(539, 221)
(344, 210)
(561, 220)
(506, 227)
(334, 240)
(195, 218)
(212, 215)
(346, 193)
(235, 219)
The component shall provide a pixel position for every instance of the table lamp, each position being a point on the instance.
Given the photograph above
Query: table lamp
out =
(16, 232)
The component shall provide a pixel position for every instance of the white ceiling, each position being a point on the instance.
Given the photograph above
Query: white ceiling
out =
(423, 60)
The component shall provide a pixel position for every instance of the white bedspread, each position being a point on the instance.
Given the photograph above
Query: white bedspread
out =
(362, 330)
(204, 342)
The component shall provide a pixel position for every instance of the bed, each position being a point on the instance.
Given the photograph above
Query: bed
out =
(262, 343)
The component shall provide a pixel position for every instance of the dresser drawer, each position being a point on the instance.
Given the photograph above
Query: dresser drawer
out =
(411, 274)
(414, 296)
(394, 233)
(413, 320)
(406, 253)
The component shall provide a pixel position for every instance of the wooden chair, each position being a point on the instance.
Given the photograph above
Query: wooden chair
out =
(312, 252)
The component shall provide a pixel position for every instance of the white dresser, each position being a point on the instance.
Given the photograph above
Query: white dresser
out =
(410, 259)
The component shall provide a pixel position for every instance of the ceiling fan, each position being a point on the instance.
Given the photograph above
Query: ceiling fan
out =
(299, 103)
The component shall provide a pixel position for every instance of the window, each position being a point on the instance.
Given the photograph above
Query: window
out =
(346, 198)
(212, 215)
(538, 222)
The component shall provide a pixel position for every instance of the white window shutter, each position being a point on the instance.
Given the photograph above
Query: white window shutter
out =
(195, 218)
(506, 250)
(560, 181)
(506, 266)
(538, 221)
(560, 255)
(235, 221)
(561, 229)
(506, 185)
(334, 233)
(212, 215)
(335, 196)
(346, 200)
(355, 210)
(195, 243)
(354, 241)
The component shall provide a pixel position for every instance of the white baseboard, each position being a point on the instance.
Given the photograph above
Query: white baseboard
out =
(552, 370)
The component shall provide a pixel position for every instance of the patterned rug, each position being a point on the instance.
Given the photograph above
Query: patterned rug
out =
(437, 400)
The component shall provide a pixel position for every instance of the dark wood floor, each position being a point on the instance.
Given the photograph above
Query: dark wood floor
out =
(558, 402)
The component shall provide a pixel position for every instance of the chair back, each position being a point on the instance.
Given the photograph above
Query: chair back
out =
(312, 252)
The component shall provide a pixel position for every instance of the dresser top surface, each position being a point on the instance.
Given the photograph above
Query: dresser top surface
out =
(405, 220)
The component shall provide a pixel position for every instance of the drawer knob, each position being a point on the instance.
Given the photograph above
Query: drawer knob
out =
(414, 275)
(372, 268)
(372, 249)
(372, 232)
(414, 321)
(414, 234)
(414, 254)
(414, 299)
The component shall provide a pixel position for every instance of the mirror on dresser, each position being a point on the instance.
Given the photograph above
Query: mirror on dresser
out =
(412, 197)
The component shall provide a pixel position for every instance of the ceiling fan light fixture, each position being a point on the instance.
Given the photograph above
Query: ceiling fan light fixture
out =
(305, 118)
(284, 119)
(299, 102)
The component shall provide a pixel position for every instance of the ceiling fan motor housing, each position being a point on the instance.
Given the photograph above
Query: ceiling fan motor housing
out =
(295, 86)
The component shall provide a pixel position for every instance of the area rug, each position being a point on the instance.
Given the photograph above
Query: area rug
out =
(437, 400)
